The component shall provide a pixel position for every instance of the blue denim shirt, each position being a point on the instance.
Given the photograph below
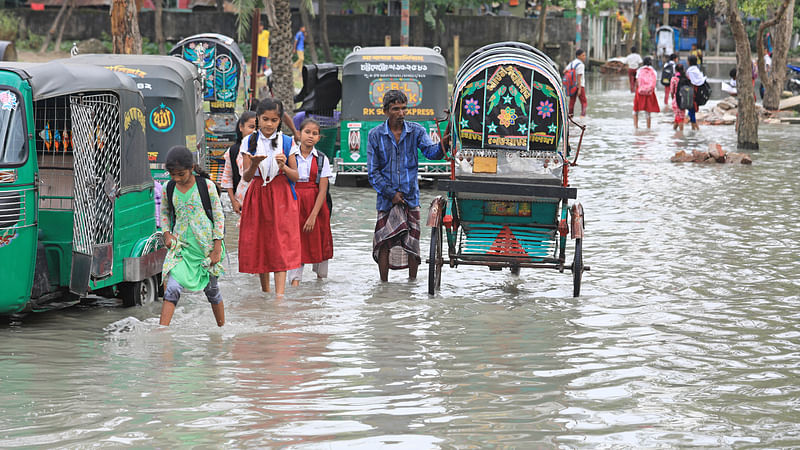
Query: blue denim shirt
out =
(392, 165)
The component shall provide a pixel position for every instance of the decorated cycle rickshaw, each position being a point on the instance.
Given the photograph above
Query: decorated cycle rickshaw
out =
(508, 196)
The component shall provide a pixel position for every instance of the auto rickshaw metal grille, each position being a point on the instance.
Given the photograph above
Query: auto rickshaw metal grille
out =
(96, 139)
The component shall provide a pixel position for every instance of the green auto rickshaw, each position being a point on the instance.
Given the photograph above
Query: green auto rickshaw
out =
(172, 90)
(367, 74)
(76, 195)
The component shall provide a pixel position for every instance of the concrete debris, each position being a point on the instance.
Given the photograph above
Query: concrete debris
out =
(715, 154)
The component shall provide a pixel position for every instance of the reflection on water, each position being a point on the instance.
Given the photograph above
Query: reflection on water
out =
(686, 333)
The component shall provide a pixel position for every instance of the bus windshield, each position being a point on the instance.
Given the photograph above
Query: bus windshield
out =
(12, 130)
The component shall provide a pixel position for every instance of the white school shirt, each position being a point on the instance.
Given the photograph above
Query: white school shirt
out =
(633, 61)
(695, 75)
(304, 165)
(580, 69)
(264, 147)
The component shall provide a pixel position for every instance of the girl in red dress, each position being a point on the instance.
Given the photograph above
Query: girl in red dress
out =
(269, 229)
(316, 242)
(645, 86)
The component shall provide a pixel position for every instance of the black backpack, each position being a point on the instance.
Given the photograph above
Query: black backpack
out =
(202, 189)
(703, 93)
(667, 73)
(320, 162)
(685, 95)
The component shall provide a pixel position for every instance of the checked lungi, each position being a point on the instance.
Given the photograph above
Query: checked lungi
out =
(397, 228)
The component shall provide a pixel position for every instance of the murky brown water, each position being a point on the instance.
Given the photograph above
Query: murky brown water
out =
(687, 332)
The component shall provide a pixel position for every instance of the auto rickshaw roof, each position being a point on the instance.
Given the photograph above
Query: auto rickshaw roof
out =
(53, 79)
(170, 76)
(394, 56)
(219, 39)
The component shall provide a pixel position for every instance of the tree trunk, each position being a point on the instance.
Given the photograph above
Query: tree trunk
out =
(159, 26)
(747, 132)
(637, 7)
(323, 30)
(281, 48)
(418, 30)
(311, 49)
(220, 6)
(125, 36)
(53, 27)
(542, 20)
(64, 23)
(773, 82)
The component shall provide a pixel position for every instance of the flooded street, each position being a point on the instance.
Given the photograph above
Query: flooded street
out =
(687, 332)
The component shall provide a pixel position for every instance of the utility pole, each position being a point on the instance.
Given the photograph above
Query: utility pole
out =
(404, 13)
(579, 5)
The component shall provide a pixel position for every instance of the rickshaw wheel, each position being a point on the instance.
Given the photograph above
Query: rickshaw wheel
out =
(435, 261)
(577, 268)
(139, 293)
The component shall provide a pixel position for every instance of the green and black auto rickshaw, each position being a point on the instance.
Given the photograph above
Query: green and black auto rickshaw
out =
(367, 74)
(76, 195)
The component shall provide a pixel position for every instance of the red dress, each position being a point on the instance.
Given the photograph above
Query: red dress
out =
(269, 234)
(317, 245)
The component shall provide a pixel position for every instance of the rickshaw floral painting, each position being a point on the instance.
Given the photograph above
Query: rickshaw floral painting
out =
(8, 101)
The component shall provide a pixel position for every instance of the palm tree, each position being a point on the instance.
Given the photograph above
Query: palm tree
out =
(281, 43)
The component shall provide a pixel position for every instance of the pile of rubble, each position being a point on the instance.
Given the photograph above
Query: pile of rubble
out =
(715, 154)
(614, 65)
(725, 112)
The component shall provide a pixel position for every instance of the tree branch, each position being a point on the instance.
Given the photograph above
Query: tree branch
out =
(762, 72)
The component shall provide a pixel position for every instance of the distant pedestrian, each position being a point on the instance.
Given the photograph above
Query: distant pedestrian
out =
(194, 226)
(263, 49)
(667, 72)
(697, 78)
(579, 67)
(697, 53)
(679, 114)
(645, 99)
(633, 61)
(300, 47)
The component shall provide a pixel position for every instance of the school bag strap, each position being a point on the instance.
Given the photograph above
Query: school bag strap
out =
(205, 199)
(320, 164)
(233, 155)
(287, 148)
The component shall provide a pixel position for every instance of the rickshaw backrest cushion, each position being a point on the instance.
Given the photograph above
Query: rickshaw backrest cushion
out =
(202, 189)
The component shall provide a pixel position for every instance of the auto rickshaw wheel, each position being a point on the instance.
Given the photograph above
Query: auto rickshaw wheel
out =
(139, 293)
(577, 268)
(435, 261)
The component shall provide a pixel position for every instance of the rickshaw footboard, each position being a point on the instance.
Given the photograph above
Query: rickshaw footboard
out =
(527, 190)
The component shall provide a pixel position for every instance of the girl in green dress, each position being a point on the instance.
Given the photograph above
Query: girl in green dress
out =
(193, 238)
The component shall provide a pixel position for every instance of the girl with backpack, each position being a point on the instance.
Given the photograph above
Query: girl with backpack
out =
(316, 242)
(645, 87)
(232, 180)
(194, 227)
(269, 230)
(678, 113)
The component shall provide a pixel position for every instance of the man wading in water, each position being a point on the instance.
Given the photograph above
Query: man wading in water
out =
(392, 165)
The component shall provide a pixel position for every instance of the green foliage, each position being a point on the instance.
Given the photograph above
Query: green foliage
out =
(9, 24)
(33, 43)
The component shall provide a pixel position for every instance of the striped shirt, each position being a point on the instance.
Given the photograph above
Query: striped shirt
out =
(392, 166)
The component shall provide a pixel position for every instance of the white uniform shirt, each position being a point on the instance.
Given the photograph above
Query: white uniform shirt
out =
(695, 75)
(304, 165)
(580, 69)
(633, 61)
(264, 148)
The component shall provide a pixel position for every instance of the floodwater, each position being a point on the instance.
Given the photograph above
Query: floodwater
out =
(687, 332)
